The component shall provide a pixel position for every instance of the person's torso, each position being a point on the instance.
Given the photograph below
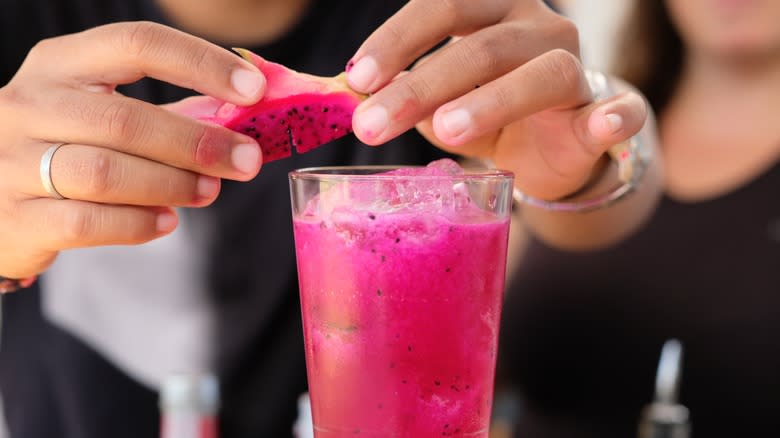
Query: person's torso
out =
(582, 332)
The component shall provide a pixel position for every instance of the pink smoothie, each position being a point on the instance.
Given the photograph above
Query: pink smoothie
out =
(401, 313)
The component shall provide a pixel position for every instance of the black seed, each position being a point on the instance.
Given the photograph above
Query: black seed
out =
(257, 135)
(397, 239)
(447, 270)
(306, 108)
(325, 109)
(409, 347)
(333, 126)
(283, 122)
(272, 117)
(371, 216)
(477, 86)
(311, 120)
(437, 383)
(379, 292)
(254, 119)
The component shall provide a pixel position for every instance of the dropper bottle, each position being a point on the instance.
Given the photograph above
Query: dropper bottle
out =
(188, 406)
(665, 417)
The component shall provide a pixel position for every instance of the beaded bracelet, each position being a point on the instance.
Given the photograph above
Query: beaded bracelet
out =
(632, 158)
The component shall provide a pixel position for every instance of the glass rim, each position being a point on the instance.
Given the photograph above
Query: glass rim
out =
(352, 173)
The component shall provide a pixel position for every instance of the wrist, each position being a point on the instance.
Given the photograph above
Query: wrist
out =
(14, 284)
(599, 175)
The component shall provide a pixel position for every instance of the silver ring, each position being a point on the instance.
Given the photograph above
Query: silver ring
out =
(46, 171)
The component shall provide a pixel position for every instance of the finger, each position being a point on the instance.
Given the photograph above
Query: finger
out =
(65, 224)
(102, 175)
(144, 130)
(603, 124)
(412, 31)
(559, 161)
(196, 107)
(554, 80)
(125, 52)
(477, 59)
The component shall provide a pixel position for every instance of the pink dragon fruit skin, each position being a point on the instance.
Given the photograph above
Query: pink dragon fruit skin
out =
(298, 110)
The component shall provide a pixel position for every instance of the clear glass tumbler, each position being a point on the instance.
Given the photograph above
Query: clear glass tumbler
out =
(401, 276)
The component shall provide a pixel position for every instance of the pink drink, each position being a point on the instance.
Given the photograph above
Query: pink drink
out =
(401, 312)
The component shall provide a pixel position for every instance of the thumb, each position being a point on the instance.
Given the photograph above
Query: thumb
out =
(608, 122)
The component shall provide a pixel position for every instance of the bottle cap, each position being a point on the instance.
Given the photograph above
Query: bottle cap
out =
(190, 393)
(666, 417)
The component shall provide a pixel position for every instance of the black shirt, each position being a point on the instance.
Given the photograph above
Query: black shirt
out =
(582, 332)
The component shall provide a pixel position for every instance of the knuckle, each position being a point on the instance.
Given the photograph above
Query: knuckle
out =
(417, 91)
(13, 99)
(567, 67)
(485, 52)
(567, 32)
(99, 173)
(504, 97)
(206, 146)
(137, 37)
(41, 49)
(201, 58)
(77, 225)
(397, 34)
(121, 120)
(452, 10)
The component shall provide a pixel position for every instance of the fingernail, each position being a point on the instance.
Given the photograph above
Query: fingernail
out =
(373, 121)
(166, 222)
(614, 122)
(247, 83)
(363, 74)
(207, 187)
(456, 122)
(246, 158)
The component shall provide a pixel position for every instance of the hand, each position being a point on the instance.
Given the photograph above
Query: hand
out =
(508, 87)
(125, 162)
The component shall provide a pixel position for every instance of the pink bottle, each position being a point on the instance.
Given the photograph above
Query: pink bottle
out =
(189, 406)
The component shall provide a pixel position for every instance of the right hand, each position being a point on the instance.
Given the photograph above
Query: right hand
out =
(126, 163)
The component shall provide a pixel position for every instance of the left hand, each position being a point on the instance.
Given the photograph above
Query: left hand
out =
(509, 87)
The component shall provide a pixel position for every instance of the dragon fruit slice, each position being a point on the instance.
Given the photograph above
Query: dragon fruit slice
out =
(298, 109)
